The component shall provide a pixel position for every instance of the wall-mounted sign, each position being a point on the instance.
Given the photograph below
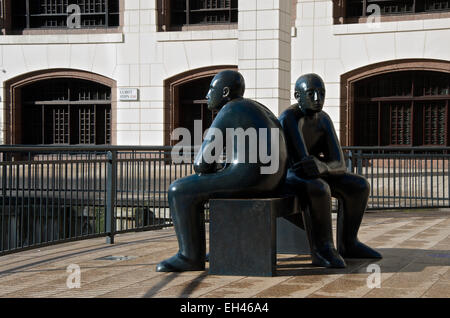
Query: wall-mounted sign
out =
(128, 94)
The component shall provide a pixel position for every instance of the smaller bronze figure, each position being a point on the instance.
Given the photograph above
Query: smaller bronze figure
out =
(317, 171)
(239, 177)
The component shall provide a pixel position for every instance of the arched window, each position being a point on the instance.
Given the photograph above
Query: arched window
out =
(60, 106)
(404, 108)
(185, 101)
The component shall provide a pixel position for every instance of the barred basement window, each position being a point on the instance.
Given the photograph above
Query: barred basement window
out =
(358, 8)
(66, 111)
(33, 14)
(176, 14)
(408, 108)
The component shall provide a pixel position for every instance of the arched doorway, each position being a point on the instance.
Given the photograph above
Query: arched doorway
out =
(185, 100)
(397, 103)
(60, 107)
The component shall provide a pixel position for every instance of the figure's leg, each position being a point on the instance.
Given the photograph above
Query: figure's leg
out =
(353, 190)
(186, 201)
(317, 220)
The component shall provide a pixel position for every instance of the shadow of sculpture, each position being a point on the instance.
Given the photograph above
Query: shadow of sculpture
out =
(394, 260)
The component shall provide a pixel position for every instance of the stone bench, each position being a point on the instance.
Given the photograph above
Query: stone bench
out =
(246, 235)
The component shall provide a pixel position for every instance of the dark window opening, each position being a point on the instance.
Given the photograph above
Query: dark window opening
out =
(50, 14)
(359, 8)
(66, 111)
(408, 108)
(193, 106)
(176, 14)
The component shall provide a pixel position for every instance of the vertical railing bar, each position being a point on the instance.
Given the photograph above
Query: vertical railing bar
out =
(90, 166)
(389, 181)
(23, 207)
(159, 184)
(29, 200)
(139, 192)
(3, 229)
(426, 180)
(127, 162)
(65, 200)
(111, 180)
(83, 192)
(16, 203)
(154, 188)
(9, 206)
(71, 195)
(52, 234)
(122, 175)
(431, 181)
(443, 181)
(145, 207)
(448, 179)
(100, 192)
(149, 183)
(34, 203)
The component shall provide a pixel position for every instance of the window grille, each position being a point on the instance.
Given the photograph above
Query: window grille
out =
(358, 8)
(181, 13)
(32, 14)
(402, 109)
(66, 111)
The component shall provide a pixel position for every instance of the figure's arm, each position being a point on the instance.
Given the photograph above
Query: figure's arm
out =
(303, 164)
(217, 130)
(334, 157)
(295, 142)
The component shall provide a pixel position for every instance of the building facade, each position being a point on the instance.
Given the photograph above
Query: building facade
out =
(128, 72)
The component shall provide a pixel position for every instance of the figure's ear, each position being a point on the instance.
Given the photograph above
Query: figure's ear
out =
(226, 92)
(297, 95)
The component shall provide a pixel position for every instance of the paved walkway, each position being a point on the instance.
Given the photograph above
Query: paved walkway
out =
(416, 263)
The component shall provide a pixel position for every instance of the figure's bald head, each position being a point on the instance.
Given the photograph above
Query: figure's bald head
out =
(310, 93)
(225, 86)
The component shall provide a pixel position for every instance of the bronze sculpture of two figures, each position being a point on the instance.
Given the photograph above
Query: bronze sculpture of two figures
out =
(310, 164)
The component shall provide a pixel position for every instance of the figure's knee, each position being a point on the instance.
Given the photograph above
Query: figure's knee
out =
(318, 189)
(361, 186)
(178, 189)
(187, 191)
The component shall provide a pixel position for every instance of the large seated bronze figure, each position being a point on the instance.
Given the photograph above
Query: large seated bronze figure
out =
(238, 178)
(317, 172)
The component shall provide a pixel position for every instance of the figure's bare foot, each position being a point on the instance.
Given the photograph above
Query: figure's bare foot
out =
(357, 249)
(180, 263)
(327, 256)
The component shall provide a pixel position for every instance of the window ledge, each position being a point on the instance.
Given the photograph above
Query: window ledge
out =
(61, 38)
(206, 35)
(392, 26)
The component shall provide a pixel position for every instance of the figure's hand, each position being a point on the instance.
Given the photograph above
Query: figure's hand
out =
(310, 168)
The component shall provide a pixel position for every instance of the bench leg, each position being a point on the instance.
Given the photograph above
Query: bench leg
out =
(242, 238)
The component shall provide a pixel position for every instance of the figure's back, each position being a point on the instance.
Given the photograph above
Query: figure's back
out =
(250, 116)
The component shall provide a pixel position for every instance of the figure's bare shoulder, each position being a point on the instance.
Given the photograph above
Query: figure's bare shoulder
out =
(325, 120)
(292, 112)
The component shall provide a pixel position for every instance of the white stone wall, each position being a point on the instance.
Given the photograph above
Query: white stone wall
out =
(262, 47)
(265, 51)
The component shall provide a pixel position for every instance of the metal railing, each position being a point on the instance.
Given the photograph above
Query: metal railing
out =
(403, 177)
(57, 194)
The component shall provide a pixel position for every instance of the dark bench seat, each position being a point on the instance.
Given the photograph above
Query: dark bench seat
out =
(246, 234)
